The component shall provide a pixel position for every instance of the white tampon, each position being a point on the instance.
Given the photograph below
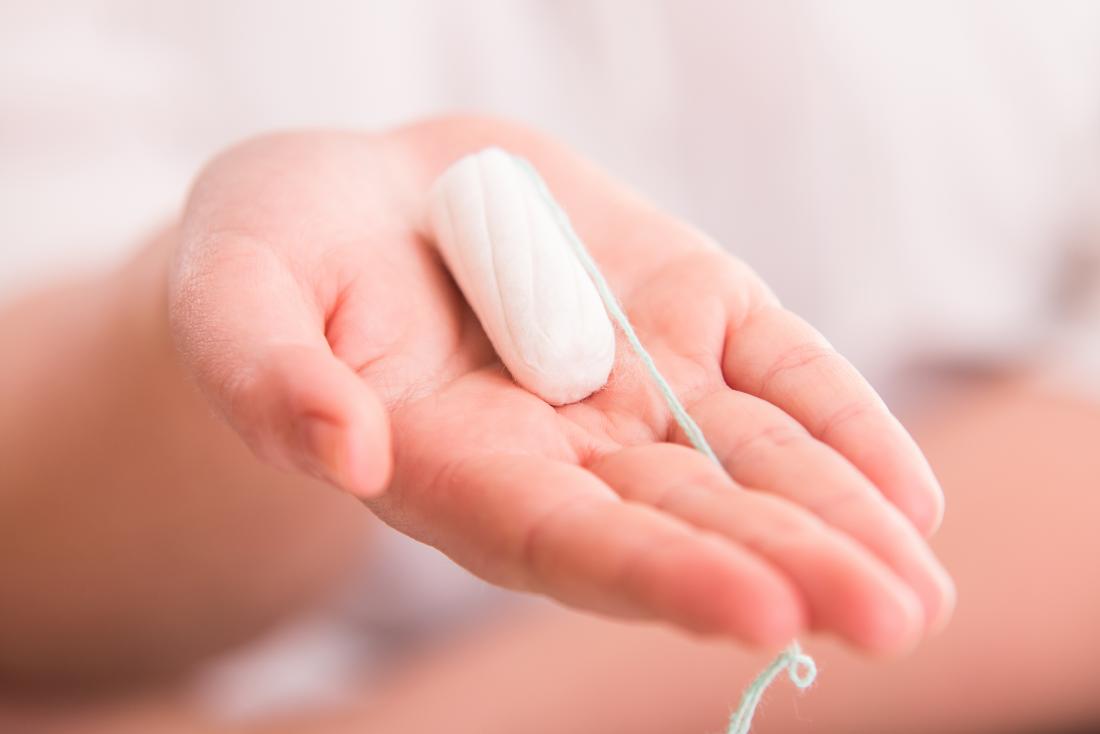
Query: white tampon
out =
(507, 251)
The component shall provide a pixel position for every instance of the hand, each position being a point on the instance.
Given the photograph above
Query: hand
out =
(315, 314)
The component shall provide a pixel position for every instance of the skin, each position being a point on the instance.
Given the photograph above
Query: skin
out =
(1016, 656)
(302, 296)
(138, 535)
(350, 335)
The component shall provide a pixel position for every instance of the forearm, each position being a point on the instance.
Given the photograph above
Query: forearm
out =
(136, 531)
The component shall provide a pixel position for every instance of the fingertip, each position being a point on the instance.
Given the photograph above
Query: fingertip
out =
(949, 597)
(321, 418)
(892, 627)
(905, 477)
(924, 506)
(354, 456)
(777, 614)
(937, 506)
(932, 585)
(322, 448)
(369, 449)
(781, 622)
(919, 495)
(713, 589)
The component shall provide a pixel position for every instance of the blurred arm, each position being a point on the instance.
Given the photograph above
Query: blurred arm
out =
(137, 533)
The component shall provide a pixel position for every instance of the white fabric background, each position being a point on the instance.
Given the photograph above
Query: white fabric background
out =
(917, 179)
(905, 175)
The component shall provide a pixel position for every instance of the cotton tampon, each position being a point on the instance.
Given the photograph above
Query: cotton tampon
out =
(519, 274)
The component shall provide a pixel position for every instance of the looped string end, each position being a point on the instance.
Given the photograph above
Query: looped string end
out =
(800, 668)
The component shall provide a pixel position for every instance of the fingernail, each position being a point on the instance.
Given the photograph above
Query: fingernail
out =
(323, 449)
(934, 503)
(947, 604)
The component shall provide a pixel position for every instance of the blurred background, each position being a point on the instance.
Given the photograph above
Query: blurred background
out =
(921, 181)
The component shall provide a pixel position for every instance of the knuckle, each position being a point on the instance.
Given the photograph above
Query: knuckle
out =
(779, 523)
(685, 491)
(835, 502)
(851, 411)
(533, 553)
(804, 357)
(765, 441)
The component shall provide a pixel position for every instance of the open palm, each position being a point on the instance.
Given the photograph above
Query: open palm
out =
(312, 308)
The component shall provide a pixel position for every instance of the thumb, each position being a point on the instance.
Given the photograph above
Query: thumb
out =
(253, 338)
(299, 407)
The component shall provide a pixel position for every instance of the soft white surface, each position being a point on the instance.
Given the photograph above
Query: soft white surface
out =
(905, 175)
(911, 177)
(517, 270)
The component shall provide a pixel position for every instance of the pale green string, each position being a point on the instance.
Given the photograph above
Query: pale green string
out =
(800, 667)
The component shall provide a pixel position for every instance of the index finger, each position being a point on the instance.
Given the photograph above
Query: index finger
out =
(776, 356)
